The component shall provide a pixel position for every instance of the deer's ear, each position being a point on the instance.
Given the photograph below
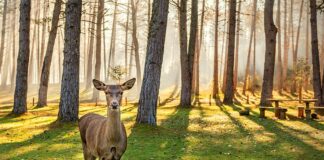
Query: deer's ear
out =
(129, 84)
(99, 85)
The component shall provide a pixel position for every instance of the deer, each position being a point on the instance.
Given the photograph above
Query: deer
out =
(105, 137)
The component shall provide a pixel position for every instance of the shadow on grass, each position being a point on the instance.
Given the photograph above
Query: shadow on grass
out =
(283, 135)
(172, 96)
(59, 141)
(167, 141)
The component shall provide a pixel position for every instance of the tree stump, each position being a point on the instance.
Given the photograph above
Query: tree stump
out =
(262, 112)
(245, 112)
(282, 113)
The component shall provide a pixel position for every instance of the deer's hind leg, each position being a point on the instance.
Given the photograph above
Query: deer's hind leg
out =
(86, 153)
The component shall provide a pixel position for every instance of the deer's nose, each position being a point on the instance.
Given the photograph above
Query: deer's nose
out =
(114, 105)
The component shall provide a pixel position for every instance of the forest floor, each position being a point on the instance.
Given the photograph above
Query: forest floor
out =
(201, 132)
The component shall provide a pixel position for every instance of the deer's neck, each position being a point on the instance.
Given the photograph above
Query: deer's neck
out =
(114, 125)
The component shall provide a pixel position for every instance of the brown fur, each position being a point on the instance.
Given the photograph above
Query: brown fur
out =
(105, 137)
(98, 138)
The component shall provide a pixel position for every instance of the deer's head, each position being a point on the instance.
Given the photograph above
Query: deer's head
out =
(114, 93)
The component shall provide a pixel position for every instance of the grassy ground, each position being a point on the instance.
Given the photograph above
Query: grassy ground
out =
(201, 132)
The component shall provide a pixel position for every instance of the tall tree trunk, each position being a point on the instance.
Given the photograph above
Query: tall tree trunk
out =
(286, 46)
(279, 64)
(185, 100)
(113, 41)
(248, 63)
(307, 47)
(90, 54)
(153, 64)
(87, 80)
(69, 102)
(130, 64)
(33, 47)
(291, 28)
(38, 43)
(229, 89)
(95, 95)
(317, 86)
(222, 67)
(5, 68)
(126, 36)
(226, 57)
(43, 87)
(20, 98)
(6, 57)
(295, 55)
(215, 76)
(43, 21)
(187, 63)
(104, 49)
(253, 81)
(198, 51)
(85, 40)
(135, 41)
(270, 53)
(60, 35)
(13, 71)
(3, 31)
(237, 45)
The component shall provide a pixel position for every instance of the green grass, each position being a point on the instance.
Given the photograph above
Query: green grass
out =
(201, 132)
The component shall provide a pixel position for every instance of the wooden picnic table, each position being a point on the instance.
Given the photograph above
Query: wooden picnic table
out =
(277, 108)
(307, 109)
(306, 101)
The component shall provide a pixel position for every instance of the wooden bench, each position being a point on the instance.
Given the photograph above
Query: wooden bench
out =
(262, 111)
(300, 111)
(280, 111)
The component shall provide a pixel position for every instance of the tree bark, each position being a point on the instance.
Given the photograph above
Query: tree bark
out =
(307, 47)
(90, 54)
(229, 89)
(270, 53)
(187, 63)
(248, 63)
(43, 87)
(286, 46)
(153, 64)
(215, 76)
(198, 52)
(126, 36)
(317, 86)
(113, 41)
(237, 45)
(69, 102)
(95, 95)
(3, 31)
(135, 41)
(20, 97)
(13, 71)
(43, 21)
(104, 49)
(222, 66)
(185, 100)
(279, 64)
(295, 55)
